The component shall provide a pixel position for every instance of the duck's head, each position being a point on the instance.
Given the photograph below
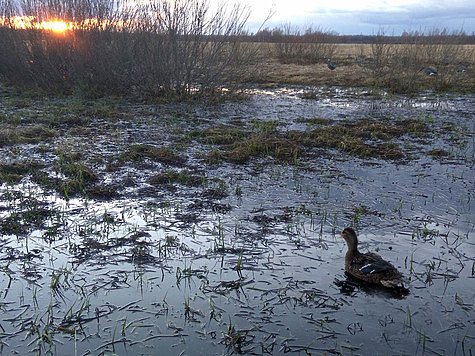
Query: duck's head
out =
(350, 237)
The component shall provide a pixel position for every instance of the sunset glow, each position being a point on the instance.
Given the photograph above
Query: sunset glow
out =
(24, 22)
(56, 26)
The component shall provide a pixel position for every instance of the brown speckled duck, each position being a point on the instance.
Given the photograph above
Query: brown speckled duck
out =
(369, 267)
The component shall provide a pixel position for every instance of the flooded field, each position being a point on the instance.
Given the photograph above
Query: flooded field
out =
(190, 229)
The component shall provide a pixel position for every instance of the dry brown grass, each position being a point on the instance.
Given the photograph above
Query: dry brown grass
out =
(11, 135)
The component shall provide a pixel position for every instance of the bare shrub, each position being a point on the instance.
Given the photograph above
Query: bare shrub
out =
(382, 53)
(150, 48)
(311, 46)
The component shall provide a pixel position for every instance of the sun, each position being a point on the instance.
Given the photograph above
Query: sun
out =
(25, 22)
(56, 26)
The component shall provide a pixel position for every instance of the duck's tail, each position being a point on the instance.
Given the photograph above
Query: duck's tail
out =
(397, 284)
(392, 283)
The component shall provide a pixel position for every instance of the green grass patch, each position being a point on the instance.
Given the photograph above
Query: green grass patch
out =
(221, 135)
(164, 155)
(184, 177)
(364, 138)
(261, 145)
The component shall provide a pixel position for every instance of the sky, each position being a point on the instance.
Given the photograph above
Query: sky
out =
(349, 17)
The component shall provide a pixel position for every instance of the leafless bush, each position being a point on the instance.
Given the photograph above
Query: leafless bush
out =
(159, 47)
(312, 46)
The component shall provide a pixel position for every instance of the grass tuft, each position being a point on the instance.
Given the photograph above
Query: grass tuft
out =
(11, 135)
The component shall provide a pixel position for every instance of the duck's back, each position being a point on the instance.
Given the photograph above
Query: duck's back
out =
(370, 267)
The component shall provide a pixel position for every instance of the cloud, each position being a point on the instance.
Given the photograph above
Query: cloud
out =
(367, 16)
(428, 14)
(417, 13)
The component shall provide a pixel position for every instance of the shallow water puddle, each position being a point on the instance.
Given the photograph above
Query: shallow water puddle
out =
(241, 258)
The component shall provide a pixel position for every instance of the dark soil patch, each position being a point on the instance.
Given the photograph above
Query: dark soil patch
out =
(215, 193)
(99, 191)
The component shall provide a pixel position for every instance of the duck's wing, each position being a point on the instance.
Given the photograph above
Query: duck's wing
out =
(371, 263)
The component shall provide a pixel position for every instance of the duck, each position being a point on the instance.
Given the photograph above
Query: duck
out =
(369, 267)
(330, 65)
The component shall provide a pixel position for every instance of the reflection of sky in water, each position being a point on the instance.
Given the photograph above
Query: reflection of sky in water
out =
(336, 104)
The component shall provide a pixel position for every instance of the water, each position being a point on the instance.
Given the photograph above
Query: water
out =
(171, 270)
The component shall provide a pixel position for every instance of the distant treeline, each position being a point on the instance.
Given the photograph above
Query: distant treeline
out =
(293, 34)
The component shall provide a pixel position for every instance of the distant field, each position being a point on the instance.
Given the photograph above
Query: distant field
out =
(349, 73)
(343, 51)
